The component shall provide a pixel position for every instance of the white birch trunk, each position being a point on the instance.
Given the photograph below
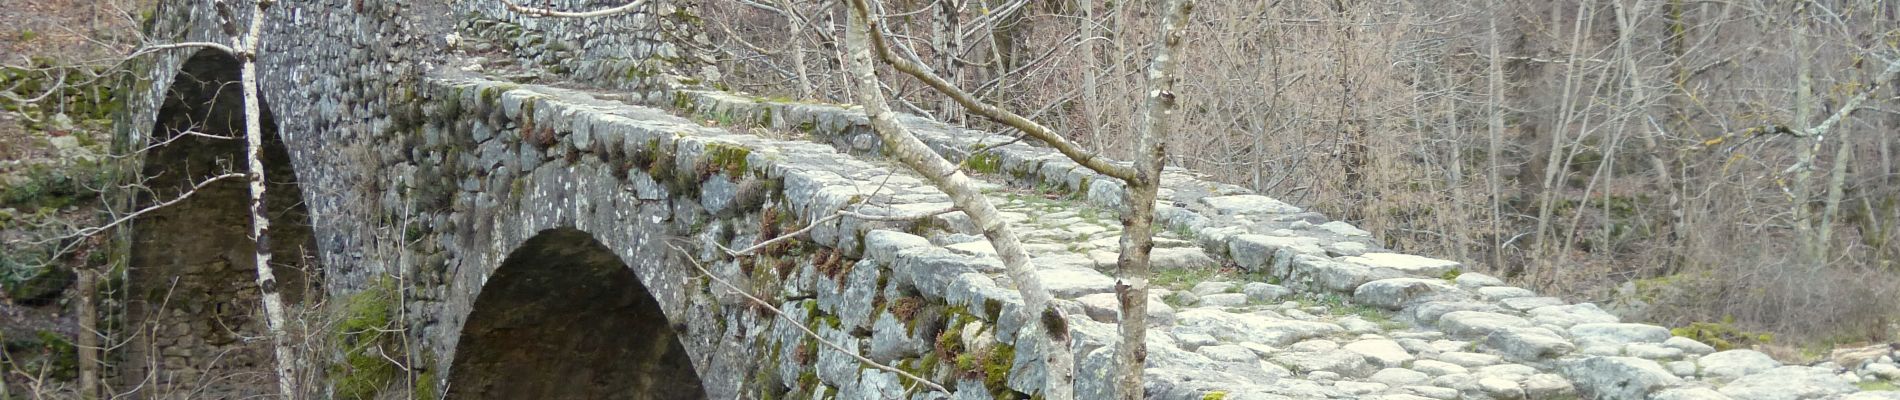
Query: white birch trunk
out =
(260, 225)
(1051, 324)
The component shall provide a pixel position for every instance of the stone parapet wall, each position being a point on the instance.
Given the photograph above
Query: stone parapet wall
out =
(658, 47)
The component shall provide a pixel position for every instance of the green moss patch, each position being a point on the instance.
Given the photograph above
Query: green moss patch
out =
(363, 333)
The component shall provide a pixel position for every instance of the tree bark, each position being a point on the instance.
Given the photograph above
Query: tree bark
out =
(1804, 153)
(1138, 223)
(88, 346)
(1492, 151)
(1091, 106)
(267, 288)
(1051, 325)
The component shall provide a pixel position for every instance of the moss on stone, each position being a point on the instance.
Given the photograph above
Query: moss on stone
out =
(984, 162)
(425, 387)
(1215, 395)
(365, 318)
(996, 366)
(949, 344)
(728, 158)
(993, 308)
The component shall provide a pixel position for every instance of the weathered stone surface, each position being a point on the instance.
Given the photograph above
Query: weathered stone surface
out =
(1406, 263)
(1342, 228)
(1321, 274)
(1548, 386)
(1788, 383)
(1689, 394)
(1228, 353)
(1732, 364)
(1438, 368)
(1528, 343)
(1618, 377)
(1104, 307)
(1224, 300)
(1258, 252)
(1344, 363)
(1504, 292)
(1469, 360)
(1396, 293)
(1618, 333)
(1264, 292)
(1473, 280)
(1397, 377)
(1530, 303)
(1652, 351)
(1344, 249)
(1476, 324)
(1249, 328)
(1381, 352)
(1164, 258)
(1571, 315)
(1430, 312)
(1689, 346)
(1212, 287)
(1247, 205)
(1075, 282)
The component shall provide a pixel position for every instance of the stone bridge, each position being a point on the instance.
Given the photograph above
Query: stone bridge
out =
(479, 205)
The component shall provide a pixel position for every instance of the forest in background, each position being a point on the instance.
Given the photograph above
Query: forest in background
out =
(1652, 156)
(1726, 167)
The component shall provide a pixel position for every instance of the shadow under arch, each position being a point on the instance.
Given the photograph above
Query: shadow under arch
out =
(564, 318)
(193, 310)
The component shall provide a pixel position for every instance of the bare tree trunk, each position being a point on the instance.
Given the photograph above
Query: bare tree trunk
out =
(1273, 100)
(1058, 360)
(951, 11)
(795, 29)
(5, 372)
(1138, 223)
(1554, 162)
(1492, 152)
(1091, 103)
(1804, 153)
(1639, 102)
(88, 347)
(1837, 175)
(1356, 161)
(260, 223)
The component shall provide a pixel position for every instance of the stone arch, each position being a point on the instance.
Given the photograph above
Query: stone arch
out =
(564, 318)
(192, 307)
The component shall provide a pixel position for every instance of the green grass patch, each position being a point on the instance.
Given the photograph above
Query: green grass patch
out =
(1877, 386)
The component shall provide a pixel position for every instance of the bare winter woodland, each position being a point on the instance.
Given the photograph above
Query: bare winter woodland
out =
(1726, 166)
(1687, 161)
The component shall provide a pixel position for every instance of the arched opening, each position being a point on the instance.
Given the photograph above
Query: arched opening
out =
(564, 318)
(193, 311)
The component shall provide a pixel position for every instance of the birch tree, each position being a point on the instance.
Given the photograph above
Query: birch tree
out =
(1059, 361)
(246, 48)
(1141, 180)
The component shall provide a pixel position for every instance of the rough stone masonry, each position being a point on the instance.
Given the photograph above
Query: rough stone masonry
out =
(511, 207)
